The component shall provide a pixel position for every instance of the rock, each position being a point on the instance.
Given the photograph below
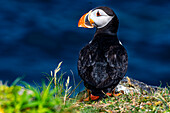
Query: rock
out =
(135, 86)
(128, 85)
(29, 92)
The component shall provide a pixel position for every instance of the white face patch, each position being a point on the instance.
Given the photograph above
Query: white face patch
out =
(100, 18)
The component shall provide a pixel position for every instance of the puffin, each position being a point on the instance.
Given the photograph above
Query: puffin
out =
(103, 62)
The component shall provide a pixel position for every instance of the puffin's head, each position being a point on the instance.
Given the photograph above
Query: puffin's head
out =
(99, 18)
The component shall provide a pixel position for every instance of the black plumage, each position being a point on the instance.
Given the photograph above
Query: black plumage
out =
(103, 62)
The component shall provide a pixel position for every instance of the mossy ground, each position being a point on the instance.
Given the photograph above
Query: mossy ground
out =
(54, 98)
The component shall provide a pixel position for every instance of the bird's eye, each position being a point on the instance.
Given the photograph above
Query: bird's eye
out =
(98, 14)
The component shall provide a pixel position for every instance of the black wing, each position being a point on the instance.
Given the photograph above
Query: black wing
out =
(117, 60)
(116, 65)
(86, 63)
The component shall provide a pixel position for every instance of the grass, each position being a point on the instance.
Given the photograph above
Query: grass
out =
(158, 102)
(54, 97)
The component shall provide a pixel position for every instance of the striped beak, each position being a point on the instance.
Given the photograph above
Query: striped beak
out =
(85, 21)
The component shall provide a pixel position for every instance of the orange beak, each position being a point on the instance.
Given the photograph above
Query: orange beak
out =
(85, 21)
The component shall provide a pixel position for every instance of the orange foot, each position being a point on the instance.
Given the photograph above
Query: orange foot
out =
(116, 94)
(92, 97)
(109, 94)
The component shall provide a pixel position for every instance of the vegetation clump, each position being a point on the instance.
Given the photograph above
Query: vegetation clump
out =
(54, 97)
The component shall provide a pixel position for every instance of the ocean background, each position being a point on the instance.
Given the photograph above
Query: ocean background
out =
(35, 35)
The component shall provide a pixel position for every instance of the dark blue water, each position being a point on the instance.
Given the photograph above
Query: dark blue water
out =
(35, 35)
